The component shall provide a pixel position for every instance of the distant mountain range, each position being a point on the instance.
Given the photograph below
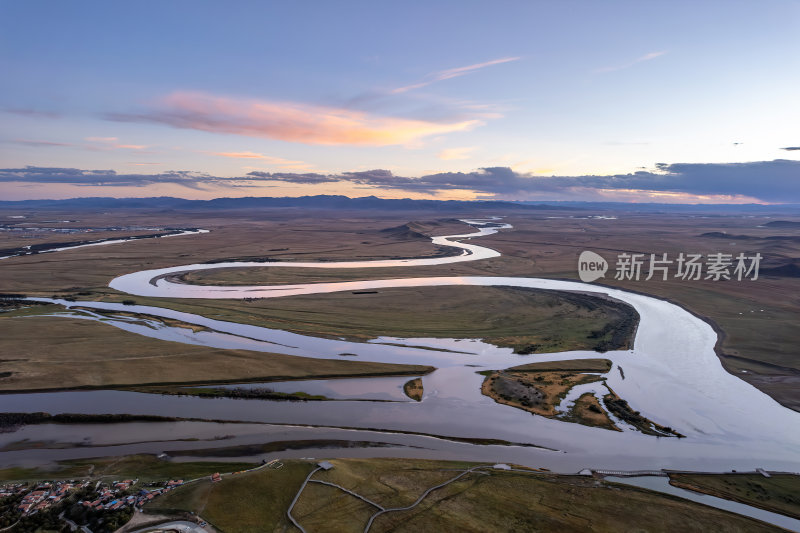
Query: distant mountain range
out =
(373, 202)
(308, 202)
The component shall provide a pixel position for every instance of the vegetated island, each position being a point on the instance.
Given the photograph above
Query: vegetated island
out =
(539, 389)
(413, 389)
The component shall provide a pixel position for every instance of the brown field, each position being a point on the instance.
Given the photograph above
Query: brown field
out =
(757, 319)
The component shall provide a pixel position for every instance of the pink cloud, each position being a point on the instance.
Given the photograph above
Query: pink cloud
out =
(464, 152)
(290, 121)
(105, 143)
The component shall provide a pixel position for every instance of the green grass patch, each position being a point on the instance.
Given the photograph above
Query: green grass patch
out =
(242, 503)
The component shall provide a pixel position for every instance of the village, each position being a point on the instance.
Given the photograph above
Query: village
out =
(77, 504)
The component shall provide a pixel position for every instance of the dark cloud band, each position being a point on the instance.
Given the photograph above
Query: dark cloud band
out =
(771, 181)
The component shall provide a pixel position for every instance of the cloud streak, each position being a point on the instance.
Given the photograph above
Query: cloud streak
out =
(278, 161)
(31, 113)
(92, 143)
(303, 179)
(33, 142)
(449, 154)
(453, 73)
(642, 59)
(288, 121)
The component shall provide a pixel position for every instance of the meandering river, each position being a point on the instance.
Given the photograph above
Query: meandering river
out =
(671, 376)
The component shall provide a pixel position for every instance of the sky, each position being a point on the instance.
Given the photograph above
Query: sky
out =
(661, 101)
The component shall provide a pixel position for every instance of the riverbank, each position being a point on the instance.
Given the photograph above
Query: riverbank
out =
(778, 493)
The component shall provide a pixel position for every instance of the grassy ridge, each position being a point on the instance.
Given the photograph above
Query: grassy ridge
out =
(496, 501)
(249, 502)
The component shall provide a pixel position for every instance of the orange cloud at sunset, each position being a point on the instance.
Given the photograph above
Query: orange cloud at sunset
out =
(290, 121)
(456, 153)
(279, 161)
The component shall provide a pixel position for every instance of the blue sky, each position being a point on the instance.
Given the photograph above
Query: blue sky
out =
(523, 100)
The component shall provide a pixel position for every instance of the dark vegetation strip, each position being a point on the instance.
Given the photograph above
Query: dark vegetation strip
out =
(145, 387)
(34, 249)
(246, 450)
(625, 412)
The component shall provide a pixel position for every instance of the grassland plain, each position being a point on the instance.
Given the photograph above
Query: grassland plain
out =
(253, 501)
(756, 319)
(526, 320)
(279, 235)
(777, 493)
(77, 353)
(490, 501)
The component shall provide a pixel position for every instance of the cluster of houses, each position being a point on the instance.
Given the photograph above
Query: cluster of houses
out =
(12, 489)
(113, 497)
(45, 494)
